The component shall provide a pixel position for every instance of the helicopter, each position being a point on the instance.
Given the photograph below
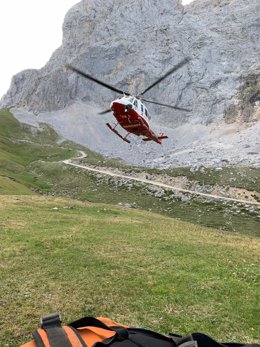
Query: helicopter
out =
(129, 110)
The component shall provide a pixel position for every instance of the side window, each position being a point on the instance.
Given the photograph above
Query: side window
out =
(147, 114)
(142, 108)
(135, 103)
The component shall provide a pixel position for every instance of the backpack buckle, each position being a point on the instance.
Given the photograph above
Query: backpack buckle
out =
(50, 321)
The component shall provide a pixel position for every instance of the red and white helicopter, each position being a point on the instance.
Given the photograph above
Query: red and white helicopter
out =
(130, 112)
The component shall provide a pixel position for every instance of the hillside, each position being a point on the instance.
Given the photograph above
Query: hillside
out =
(31, 162)
(130, 46)
(136, 267)
(20, 146)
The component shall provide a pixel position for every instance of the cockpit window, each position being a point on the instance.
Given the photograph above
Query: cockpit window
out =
(147, 114)
(130, 99)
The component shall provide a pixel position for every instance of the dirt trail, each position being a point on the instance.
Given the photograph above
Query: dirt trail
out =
(155, 183)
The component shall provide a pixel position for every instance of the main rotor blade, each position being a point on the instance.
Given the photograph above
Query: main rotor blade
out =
(106, 111)
(82, 73)
(170, 106)
(175, 68)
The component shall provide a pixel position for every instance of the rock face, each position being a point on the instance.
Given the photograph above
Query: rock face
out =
(129, 44)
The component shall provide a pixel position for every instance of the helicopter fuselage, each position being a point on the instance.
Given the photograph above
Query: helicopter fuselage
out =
(133, 116)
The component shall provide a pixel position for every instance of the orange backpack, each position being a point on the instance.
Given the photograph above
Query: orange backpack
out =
(97, 332)
(85, 332)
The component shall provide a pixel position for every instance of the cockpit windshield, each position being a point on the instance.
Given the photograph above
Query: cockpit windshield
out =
(130, 98)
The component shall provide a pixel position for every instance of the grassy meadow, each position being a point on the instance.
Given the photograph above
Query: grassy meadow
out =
(137, 267)
(66, 246)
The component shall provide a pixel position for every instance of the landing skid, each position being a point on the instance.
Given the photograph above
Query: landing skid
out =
(159, 138)
(124, 138)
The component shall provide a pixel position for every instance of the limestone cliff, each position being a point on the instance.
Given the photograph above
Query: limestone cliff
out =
(131, 43)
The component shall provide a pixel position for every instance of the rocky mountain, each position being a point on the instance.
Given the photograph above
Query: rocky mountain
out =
(129, 44)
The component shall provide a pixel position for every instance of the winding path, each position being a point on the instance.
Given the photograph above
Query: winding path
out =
(155, 183)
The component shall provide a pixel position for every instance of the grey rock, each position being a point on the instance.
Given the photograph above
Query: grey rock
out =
(130, 44)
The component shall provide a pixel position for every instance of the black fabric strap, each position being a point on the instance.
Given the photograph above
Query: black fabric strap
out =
(56, 334)
(37, 339)
(58, 337)
(122, 333)
(89, 321)
(79, 337)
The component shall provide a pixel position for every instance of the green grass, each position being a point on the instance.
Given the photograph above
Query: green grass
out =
(20, 146)
(136, 267)
(10, 187)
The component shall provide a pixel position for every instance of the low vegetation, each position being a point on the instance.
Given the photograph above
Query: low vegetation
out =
(81, 184)
(233, 176)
